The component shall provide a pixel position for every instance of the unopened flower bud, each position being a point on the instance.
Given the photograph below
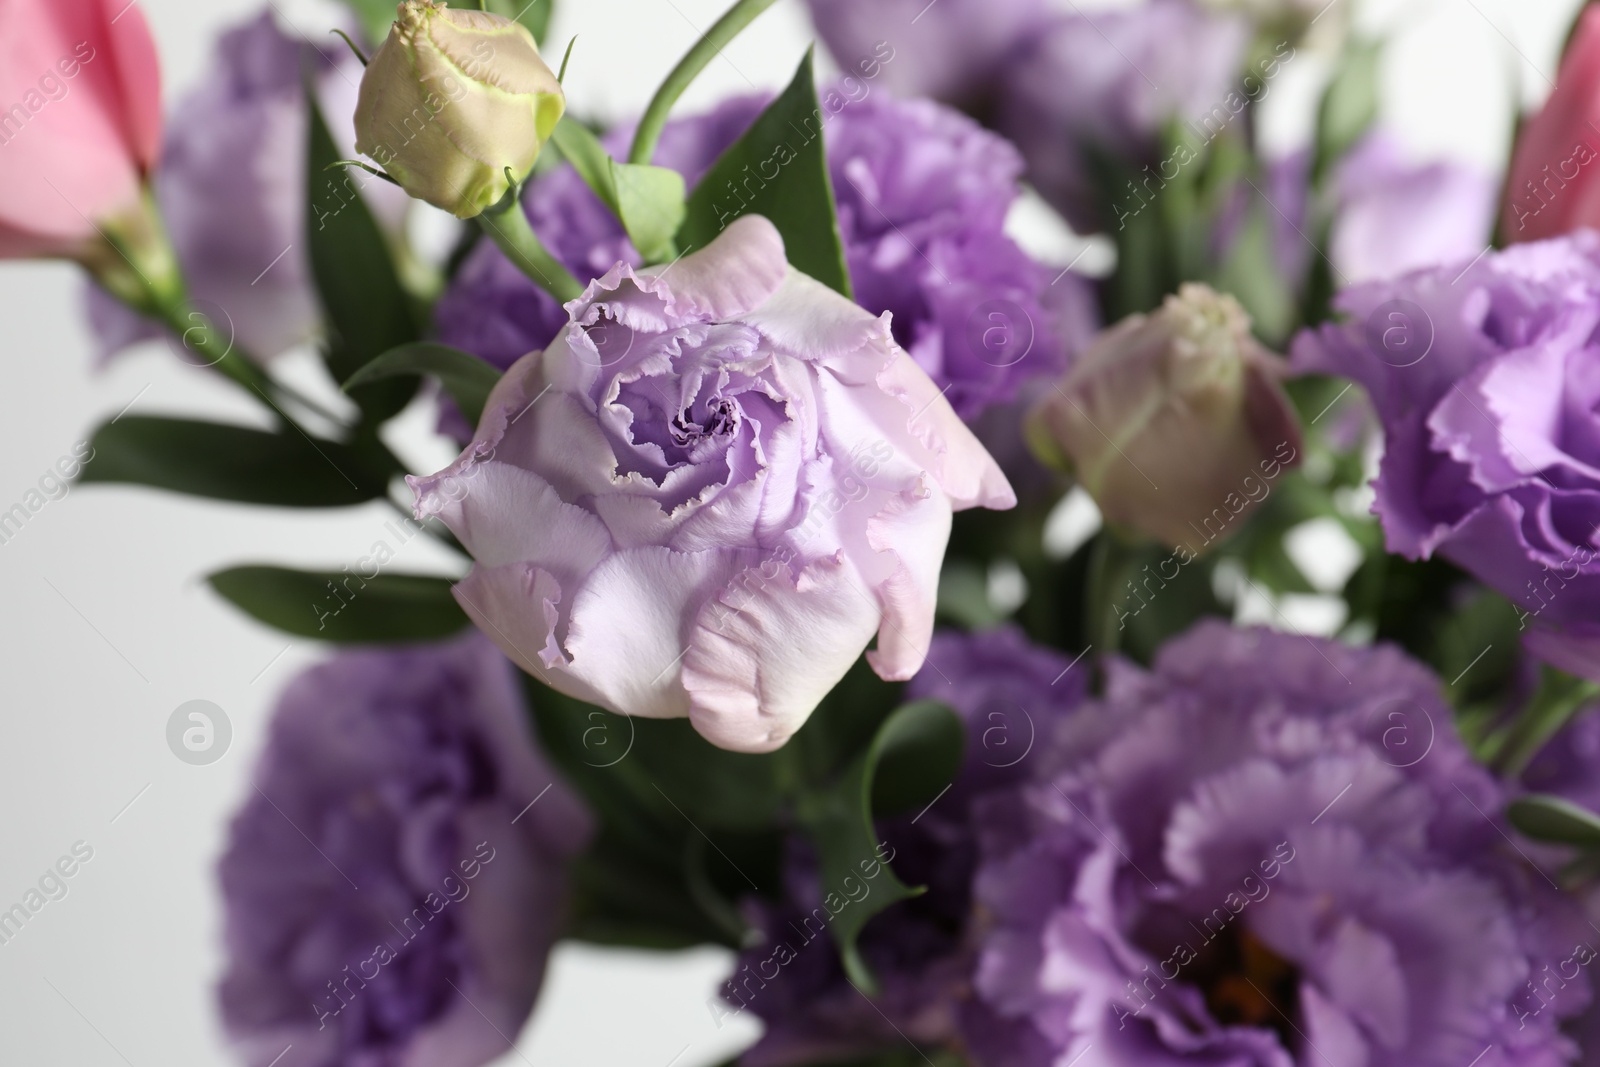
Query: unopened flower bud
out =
(451, 100)
(1175, 422)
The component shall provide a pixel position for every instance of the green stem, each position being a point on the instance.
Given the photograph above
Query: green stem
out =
(1107, 563)
(508, 228)
(725, 29)
(195, 331)
(1558, 699)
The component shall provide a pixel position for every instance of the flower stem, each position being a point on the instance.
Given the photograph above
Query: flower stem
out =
(507, 226)
(1108, 564)
(1554, 704)
(197, 334)
(725, 29)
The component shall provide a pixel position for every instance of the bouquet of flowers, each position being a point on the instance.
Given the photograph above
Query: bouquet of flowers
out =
(1189, 661)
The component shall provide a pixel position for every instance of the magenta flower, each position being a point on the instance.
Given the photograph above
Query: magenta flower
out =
(709, 492)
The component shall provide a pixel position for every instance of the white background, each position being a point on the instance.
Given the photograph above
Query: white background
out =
(105, 628)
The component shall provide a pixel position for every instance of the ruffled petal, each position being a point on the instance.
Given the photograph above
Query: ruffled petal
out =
(633, 622)
(769, 647)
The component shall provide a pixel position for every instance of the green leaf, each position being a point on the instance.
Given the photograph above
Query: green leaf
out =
(343, 607)
(914, 755)
(366, 309)
(1252, 271)
(1349, 104)
(226, 462)
(964, 595)
(653, 877)
(1550, 818)
(647, 200)
(588, 157)
(918, 750)
(375, 16)
(650, 203)
(779, 169)
(464, 376)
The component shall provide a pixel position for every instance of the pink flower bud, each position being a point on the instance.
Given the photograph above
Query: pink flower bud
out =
(1554, 183)
(80, 125)
(1175, 422)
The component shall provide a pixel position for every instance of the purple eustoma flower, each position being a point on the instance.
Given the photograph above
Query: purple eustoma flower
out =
(397, 875)
(923, 194)
(730, 480)
(1486, 377)
(1266, 851)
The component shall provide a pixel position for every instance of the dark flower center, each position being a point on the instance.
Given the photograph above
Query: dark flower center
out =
(720, 417)
(1245, 983)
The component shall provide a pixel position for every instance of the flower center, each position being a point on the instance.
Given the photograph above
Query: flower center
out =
(1245, 983)
(719, 418)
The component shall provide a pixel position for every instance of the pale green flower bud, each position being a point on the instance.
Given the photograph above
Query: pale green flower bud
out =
(1175, 422)
(451, 100)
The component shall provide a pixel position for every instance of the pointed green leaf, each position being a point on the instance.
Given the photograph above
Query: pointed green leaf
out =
(375, 16)
(779, 169)
(650, 203)
(1349, 104)
(580, 147)
(343, 606)
(647, 200)
(1550, 818)
(225, 462)
(365, 308)
(464, 376)
(914, 755)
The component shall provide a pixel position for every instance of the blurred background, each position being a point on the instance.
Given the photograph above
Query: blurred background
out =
(107, 629)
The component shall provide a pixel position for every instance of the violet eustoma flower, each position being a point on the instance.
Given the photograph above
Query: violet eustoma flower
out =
(709, 492)
(390, 888)
(1484, 377)
(923, 193)
(1275, 853)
